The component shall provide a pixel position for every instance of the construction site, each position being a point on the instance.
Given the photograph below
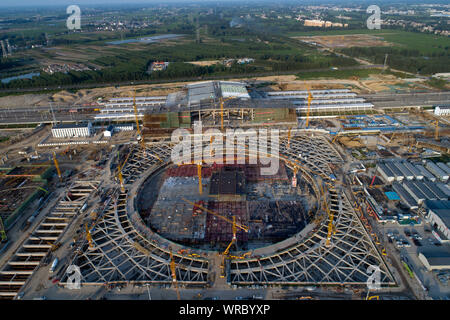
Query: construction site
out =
(131, 218)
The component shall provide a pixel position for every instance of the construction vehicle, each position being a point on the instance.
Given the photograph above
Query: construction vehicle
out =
(54, 246)
(89, 237)
(173, 273)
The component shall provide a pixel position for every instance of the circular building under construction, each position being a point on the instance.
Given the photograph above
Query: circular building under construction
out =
(171, 220)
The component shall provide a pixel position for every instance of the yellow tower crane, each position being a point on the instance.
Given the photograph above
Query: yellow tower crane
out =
(235, 226)
(331, 228)
(57, 166)
(310, 97)
(138, 129)
(227, 250)
(119, 169)
(173, 273)
(238, 225)
(199, 173)
(289, 138)
(222, 100)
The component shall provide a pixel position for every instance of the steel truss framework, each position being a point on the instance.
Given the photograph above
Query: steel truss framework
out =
(28, 256)
(124, 254)
(345, 261)
(121, 254)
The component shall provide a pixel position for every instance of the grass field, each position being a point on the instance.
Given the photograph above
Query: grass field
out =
(423, 42)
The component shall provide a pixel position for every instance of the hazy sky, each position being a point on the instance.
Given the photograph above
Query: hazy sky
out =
(37, 3)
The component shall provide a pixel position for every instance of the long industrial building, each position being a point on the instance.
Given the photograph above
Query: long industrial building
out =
(438, 172)
(208, 95)
(72, 130)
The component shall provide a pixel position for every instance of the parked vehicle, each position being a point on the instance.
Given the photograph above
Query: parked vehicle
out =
(54, 265)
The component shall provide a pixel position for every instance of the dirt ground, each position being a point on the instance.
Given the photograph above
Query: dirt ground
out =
(347, 41)
(376, 83)
(205, 63)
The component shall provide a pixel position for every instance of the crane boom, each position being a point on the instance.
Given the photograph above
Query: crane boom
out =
(245, 228)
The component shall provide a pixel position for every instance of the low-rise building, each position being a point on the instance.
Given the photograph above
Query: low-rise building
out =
(439, 216)
(435, 260)
(72, 130)
(442, 110)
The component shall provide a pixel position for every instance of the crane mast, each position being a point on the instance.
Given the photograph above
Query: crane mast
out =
(173, 273)
(309, 106)
(57, 166)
